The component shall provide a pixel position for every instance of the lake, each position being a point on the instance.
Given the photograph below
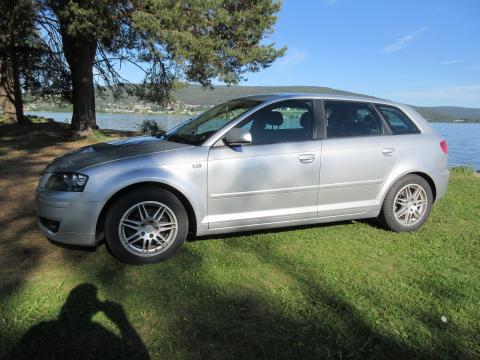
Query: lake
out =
(463, 139)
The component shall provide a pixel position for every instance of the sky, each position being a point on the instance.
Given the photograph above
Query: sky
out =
(421, 52)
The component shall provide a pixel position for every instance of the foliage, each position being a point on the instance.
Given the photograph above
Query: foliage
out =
(16, 23)
(167, 40)
(25, 57)
(462, 171)
(150, 127)
(33, 119)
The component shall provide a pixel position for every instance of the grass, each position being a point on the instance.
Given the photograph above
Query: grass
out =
(346, 290)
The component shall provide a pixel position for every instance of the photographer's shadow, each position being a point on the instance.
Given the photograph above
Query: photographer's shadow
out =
(75, 336)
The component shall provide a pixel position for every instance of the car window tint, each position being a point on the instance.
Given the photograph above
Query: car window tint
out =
(398, 121)
(286, 121)
(345, 119)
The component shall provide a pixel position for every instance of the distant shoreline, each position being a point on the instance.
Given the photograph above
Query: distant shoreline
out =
(113, 113)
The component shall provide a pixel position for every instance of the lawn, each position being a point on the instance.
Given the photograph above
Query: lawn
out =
(344, 290)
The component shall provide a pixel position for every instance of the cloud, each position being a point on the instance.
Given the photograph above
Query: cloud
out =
(451, 62)
(291, 59)
(403, 42)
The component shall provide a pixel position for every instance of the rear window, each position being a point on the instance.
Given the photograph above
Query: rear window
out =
(347, 119)
(398, 121)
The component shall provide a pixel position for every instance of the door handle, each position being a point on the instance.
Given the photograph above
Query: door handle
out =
(306, 158)
(388, 151)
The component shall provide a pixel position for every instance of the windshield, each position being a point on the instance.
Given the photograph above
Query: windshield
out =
(198, 129)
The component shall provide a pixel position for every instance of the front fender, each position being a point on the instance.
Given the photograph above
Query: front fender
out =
(190, 181)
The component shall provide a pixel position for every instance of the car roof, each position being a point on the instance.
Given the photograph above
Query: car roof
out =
(291, 96)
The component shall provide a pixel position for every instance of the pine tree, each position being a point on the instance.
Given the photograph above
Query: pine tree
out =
(194, 40)
(16, 27)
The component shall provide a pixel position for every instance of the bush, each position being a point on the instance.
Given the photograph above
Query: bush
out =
(150, 127)
(462, 170)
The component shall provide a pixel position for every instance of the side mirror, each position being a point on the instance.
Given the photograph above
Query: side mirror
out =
(238, 136)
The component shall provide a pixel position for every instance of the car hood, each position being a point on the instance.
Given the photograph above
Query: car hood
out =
(91, 155)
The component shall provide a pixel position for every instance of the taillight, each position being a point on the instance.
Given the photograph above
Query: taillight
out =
(444, 146)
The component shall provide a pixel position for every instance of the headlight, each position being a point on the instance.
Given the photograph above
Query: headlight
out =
(66, 182)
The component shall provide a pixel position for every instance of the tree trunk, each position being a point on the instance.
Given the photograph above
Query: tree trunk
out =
(80, 55)
(11, 100)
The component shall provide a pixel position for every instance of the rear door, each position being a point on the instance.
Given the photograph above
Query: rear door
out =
(273, 179)
(358, 153)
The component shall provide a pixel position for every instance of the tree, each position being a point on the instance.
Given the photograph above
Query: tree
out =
(16, 27)
(167, 40)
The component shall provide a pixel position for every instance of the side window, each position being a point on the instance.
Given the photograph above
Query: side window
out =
(286, 121)
(398, 121)
(345, 119)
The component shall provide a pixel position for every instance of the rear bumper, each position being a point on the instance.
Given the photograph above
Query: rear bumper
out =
(74, 219)
(441, 183)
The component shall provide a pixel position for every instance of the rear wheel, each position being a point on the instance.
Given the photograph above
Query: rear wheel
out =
(146, 226)
(407, 204)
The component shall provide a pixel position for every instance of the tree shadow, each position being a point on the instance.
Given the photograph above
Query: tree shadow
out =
(74, 335)
(245, 327)
(325, 325)
(24, 153)
(248, 323)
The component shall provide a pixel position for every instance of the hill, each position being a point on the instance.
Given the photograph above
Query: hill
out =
(449, 113)
(196, 95)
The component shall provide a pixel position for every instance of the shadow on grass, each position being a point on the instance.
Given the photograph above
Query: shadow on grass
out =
(207, 320)
(24, 153)
(18, 258)
(33, 136)
(246, 324)
(73, 335)
(20, 252)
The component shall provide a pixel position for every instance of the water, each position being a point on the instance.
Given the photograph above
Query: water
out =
(119, 121)
(463, 139)
(463, 143)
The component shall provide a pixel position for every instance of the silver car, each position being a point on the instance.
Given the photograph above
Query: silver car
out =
(253, 163)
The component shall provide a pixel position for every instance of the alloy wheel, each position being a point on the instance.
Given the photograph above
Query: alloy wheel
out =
(148, 228)
(410, 204)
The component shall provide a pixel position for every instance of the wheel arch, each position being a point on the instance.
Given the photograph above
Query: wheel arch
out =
(429, 180)
(420, 173)
(192, 220)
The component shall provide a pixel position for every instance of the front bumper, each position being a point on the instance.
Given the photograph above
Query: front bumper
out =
(76, 218)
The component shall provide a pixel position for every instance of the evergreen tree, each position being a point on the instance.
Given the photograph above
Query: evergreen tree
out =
(16, 27)
(192, 40)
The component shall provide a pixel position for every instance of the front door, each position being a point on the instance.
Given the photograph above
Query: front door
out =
(273, 179)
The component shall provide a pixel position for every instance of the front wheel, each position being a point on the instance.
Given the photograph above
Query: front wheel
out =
(145, 226)
(407, 204)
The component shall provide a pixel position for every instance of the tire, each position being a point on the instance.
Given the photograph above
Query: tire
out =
(154, 224)
(400, 212)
